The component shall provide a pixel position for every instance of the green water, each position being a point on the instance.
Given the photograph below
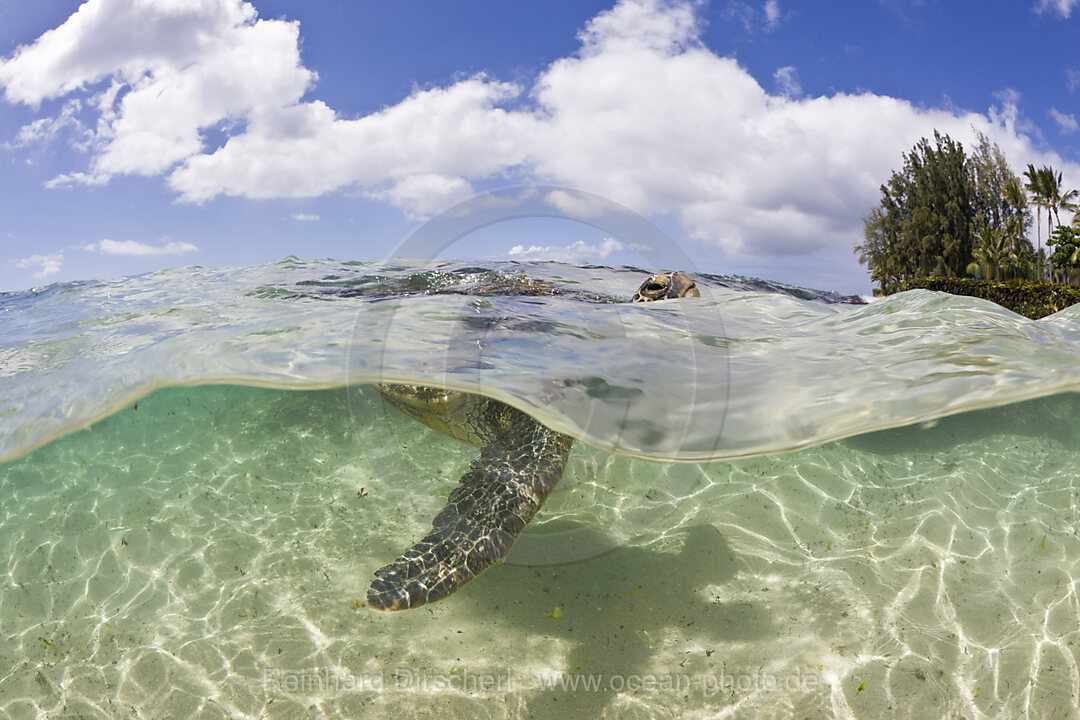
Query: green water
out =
(206, 555)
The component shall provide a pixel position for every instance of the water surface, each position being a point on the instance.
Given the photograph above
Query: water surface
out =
(779, 502)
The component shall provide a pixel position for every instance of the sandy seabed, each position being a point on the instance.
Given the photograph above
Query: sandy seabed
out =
(206, 555)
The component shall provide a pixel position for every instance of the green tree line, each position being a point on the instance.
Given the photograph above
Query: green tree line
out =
(950, 213)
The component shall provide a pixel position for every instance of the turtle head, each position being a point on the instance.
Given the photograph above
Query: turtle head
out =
(664, 286)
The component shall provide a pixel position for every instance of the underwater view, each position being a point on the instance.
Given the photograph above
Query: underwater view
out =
(779, 502)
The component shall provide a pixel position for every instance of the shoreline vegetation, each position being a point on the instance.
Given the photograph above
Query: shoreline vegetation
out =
(958, 222)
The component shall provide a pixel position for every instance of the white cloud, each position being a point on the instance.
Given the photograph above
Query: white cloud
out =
(46, 264)
(305, 217)
(787, 81)
(742, 12)
(185, 66)
(772, 14)
(99, 40)
(46, 129)
(654, 25)
(131, 247)
(578, 252)
(1072, 79)
(1062, 7)
(767, 18)
(423, 195)
(575, 205)
(685, 131)
(415, 154)
(642, 114)
(76, 178)
(1067, 122)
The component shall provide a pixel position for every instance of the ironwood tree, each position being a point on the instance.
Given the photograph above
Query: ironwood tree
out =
(944, 211)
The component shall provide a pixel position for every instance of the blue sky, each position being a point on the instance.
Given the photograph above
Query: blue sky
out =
(141, 134)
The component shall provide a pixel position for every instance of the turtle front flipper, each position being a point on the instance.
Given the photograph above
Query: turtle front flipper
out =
(483, 516)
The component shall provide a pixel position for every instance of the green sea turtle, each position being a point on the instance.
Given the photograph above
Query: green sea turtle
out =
(520, 463)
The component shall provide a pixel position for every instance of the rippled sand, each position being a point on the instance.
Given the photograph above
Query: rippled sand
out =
(205, 555)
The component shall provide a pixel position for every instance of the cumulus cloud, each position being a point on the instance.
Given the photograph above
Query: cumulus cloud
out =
(415, 154)
(752, 173)
(576, 205)
(131, 247)
(1066, 121)
(578, 252)
(46, 264)
(642, 113)
(423, 195)
(181, 66)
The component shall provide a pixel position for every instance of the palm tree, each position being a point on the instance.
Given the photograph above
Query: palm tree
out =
(1018, 263)
(1016, 199)
(1036, 186)
(1016, 227)
(1046, 188)
(992, 250)
(1057, 198)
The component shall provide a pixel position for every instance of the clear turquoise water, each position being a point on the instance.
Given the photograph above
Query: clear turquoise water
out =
(860, 512)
